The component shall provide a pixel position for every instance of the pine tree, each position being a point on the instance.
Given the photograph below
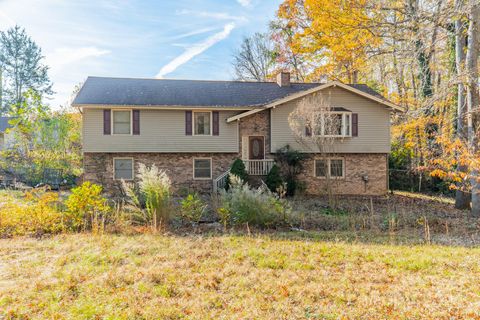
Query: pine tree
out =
(22, 68)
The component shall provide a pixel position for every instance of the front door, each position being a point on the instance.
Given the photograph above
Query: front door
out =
(256, 148)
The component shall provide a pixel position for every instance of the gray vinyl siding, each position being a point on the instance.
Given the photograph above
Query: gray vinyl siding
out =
(373, 124)
(160, 131)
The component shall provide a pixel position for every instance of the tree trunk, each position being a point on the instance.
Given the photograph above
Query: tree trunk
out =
(462, 198)
(471, 64)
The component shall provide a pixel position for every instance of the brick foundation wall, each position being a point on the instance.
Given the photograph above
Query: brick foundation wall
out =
(375, 166)
(98, 168)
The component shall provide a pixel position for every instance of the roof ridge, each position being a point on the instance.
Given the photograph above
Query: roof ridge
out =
(199, 80)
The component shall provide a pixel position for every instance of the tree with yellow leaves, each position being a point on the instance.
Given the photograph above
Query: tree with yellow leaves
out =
(334, 36)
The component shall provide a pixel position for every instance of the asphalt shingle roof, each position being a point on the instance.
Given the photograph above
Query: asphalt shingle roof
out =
(163, 92)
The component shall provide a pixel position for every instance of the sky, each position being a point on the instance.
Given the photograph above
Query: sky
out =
(174, 39)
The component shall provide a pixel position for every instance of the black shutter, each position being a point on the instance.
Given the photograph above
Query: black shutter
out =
(354, 124)
(107, 121)
(188, 123)
(136, 122)
(216, 126)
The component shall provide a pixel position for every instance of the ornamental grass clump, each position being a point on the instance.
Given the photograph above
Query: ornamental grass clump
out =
(242, 204)
(150, 198)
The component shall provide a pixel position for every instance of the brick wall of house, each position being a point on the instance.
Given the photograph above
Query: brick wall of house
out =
(373, 166)
(98, 168)
(256, 125)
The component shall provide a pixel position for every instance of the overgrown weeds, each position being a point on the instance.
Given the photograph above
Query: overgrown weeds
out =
(40, 212)
(193, 208)
(242, 204)
(36, 213)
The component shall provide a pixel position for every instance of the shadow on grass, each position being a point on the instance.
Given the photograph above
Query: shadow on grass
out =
(408, 237)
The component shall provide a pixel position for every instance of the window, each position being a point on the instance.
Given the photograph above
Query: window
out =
(121, 122)
(202, 168)
(202, 123)
(320, 168)
(123, 168)
(334, 124)
(334, 168)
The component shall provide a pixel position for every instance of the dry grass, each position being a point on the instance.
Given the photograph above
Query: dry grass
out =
(415, 217)
(282, 276)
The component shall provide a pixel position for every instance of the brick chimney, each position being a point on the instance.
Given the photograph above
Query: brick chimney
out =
(283, 79)
(355, 77)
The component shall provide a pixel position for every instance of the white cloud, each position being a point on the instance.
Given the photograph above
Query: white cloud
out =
(192, 33)
(245, 3)
(195, 50)
(64, 56)
(212, 15)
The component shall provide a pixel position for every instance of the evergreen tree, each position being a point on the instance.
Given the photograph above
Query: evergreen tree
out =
(274, 180)
(22, 69)
(238, 169)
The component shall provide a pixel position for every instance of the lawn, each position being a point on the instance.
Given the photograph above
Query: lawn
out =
(267, 276)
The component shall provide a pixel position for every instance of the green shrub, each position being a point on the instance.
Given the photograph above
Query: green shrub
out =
(151, 198)
(193, 208)
(291, 160)
(259, 207)
(273, 179)
(224, 215)
(86, 208)
(238, 169)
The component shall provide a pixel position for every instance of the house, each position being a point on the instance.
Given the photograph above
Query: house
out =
(196, 129)
(4, 135)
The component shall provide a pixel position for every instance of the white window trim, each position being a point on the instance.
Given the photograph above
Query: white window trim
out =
(328, 160)
(133, 168)
(343, 135)
(193, 168)
(112, 121)
(211, 123)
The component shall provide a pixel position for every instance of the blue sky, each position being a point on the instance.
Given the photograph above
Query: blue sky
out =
(180, 39)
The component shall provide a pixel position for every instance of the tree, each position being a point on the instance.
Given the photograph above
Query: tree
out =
(255, 61)
(317, 126)
(274, 179)
(23, 70)
(43, 140)
(287, 59)
(334, 36)
(462, 198)
(471, 66)
(291, 161)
